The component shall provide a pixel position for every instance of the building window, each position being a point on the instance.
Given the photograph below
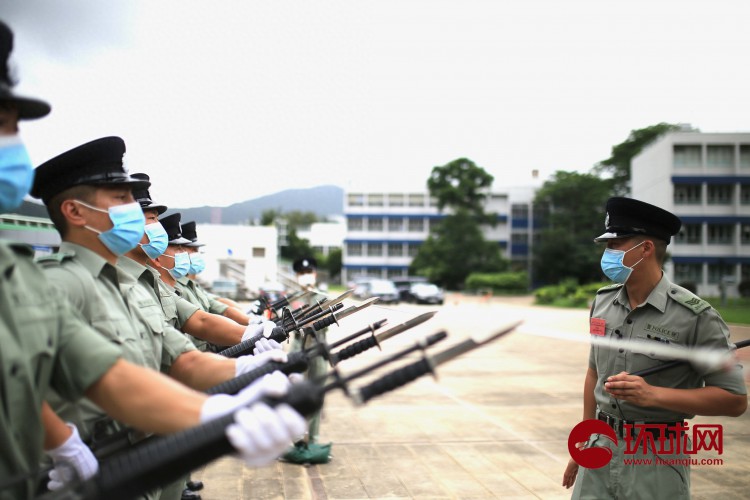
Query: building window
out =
(718, 271)
(690, 233)
(356, 199)
(720, 194)
(259, 252)
(375, 200)
(721, 156)
(395, 273)
(374, 249)
(720, 234)
(687, 194)
(519, 238)
(745, 234)
(433, 224)
(416, 224)
(416, 200)
(412, 249)
(745, 194)
(519, 211)
(354, 249)
(395, 224)
(375, 224)
(744, 155)
(354, 224)
(395, 250)
(688, 273)
(433, 202)
(396, 200)
(687, 155)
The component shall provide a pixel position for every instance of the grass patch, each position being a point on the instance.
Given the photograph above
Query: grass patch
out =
(736, 310)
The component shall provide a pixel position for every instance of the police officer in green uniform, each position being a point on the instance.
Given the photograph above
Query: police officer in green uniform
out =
(644, 305)
(197, 265)
(181, 314)
(88, 195)
(306, 270)
(46, 345)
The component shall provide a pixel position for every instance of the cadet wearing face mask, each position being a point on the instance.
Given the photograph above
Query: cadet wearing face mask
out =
(88, 195)
(645, 305)
(197, 265)
(311, 451)
(201, 326)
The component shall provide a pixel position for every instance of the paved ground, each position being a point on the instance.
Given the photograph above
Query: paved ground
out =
(494, 424)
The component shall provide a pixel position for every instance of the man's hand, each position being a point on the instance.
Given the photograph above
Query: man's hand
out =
(245, 364)
(261, 433)
(73, 461)
(571, 471)
(631, 388)
(264, 345)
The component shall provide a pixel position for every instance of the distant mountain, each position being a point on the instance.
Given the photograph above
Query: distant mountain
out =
(322, 200)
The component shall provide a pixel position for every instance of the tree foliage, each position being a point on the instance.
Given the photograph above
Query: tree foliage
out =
(618, 164)
(461, 184)
(456, 249)
(573, 207)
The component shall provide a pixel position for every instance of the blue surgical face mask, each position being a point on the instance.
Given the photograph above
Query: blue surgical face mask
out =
(181, 265)
(613, 267)
(197, 264)
(127, 230)
(157, 240)
(16, 173)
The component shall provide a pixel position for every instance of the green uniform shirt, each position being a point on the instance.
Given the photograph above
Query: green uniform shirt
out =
(670, 314)
(187, 289)
(92, 286)
(45, 344)
(176, 309)
(208, 300)
(142, 297)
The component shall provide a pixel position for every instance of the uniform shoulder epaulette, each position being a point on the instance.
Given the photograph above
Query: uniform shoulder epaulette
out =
(688, 299)
(55, 259)
(22, 249)
(609, 288)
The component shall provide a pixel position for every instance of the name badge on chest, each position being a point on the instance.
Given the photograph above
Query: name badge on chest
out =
(597, 326)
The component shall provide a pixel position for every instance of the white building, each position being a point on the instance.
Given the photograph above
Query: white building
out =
(247, 254)
(385, 229)
(324, 236)
(704, 179)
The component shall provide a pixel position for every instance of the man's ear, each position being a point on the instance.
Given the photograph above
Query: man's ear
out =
(72, 213)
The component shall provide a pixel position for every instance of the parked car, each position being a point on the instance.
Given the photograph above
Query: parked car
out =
(403, 283)
(425, 293)
(384, 289)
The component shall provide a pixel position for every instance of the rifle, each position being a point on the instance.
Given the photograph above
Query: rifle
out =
(678, 362)
(167, 458)
(290, 324)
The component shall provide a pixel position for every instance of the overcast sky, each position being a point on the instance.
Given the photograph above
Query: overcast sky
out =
(225, 101)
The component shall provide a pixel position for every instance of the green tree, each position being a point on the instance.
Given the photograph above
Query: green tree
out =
(333, 263)
(618, 164)
(456, 249)
(296, 247)
(573, 208)
(461, 184)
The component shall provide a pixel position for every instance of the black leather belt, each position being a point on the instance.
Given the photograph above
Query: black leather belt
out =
(618, 425)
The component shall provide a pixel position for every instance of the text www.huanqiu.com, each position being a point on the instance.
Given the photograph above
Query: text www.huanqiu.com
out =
(674, 461)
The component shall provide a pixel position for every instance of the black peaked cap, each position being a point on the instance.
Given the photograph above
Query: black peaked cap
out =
(627, 217)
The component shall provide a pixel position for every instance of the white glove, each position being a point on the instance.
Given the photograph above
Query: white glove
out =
(244, 364)
(265, 345)
(261, 433)
(274, 385)
(73, 460)
(255, 318)
(253, 329)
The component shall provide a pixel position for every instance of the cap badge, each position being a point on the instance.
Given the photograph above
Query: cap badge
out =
(606, 221)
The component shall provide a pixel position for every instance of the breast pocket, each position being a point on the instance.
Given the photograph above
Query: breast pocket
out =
(644, 359)
(39, 337)
(603, 354)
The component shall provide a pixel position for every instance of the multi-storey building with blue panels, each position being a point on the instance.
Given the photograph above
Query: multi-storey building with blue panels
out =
(703, 178)
(384, 230)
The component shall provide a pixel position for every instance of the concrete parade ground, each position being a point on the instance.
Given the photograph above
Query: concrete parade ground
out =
(494, 424)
